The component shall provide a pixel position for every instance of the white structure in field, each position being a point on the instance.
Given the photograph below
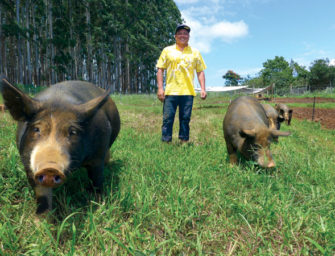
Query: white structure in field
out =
(241, 88)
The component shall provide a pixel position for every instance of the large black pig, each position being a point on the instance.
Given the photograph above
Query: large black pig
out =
(246, 129)
(69, 125)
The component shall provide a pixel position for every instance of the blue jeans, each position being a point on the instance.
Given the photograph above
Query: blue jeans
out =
(171, 103)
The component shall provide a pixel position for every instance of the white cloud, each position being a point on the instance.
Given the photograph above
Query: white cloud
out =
(182, 2)
(186, 1)
(204, 34)
(200, 12)
(311, 53)
(228, 30)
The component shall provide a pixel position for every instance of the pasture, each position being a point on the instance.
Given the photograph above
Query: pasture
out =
(179, 199)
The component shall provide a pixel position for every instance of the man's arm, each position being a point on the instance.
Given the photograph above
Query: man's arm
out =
(202, 82)
(160, 92)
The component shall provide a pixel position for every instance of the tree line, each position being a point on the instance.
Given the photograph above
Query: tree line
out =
(108, 42)
(286, 75)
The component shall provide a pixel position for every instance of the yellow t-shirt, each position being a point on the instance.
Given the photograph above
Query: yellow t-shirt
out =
(180, 66)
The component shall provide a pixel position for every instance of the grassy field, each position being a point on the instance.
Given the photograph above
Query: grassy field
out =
(173, 199)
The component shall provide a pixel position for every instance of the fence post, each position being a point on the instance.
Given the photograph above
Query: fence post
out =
(313, 109)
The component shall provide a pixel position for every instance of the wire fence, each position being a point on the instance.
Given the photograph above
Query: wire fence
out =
(303, 90)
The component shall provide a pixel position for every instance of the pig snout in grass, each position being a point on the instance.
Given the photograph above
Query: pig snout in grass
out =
(70, 125)
(246, 129)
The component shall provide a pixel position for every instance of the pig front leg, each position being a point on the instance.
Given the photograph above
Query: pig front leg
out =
(232, 153)
(96, 174)
(44, 199)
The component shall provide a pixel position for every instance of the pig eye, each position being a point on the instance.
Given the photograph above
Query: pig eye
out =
(36, 129)
(72, 131)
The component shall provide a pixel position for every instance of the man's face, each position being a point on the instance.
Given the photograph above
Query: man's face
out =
(182, 36)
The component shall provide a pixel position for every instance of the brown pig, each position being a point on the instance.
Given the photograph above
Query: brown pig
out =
(246, 129)
(284, 113)
(272, 116)
(67, 126)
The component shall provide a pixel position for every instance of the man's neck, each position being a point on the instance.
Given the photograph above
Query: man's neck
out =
(181, 47)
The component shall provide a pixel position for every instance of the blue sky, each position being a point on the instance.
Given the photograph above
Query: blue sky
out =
(241, 35)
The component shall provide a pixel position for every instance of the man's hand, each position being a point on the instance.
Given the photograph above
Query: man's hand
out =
(203, 94)
(161, 95)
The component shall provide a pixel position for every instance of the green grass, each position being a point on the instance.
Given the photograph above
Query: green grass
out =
(172, 199)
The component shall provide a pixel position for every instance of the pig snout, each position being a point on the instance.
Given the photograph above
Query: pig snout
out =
(265, 160)
(49, 176)
(271, 164)
(266, 164)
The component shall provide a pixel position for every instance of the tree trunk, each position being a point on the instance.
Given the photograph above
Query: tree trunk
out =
(29, 80)
(36, 69)
(89, 45)
(52, 48)
(73, 74)
(2, 47)
(19, 79)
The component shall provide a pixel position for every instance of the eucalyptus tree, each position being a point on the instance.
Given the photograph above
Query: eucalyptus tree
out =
(110, 42)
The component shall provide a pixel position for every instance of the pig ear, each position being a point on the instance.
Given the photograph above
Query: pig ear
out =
(20, 105)
(277, 133)
(89, 108)
(248, 133)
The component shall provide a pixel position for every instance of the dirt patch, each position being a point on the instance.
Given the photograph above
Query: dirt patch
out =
(325, 116)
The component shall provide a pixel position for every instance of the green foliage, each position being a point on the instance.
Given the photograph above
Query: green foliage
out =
(288, 75)
(256, 82)
(174, 199)
(321, 74)
(277, 71)
(300, 74)
(232, 78)
(107, 42)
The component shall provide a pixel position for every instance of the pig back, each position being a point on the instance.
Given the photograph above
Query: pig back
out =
(70, 92)
(270, 111)
(243, 113)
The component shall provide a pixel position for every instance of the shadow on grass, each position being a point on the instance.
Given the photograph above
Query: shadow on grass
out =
(78, 194)
(208, 107)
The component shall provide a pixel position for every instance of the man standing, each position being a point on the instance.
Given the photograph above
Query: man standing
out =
(180, 61)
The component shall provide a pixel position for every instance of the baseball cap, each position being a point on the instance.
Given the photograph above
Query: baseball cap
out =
(183, 26)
